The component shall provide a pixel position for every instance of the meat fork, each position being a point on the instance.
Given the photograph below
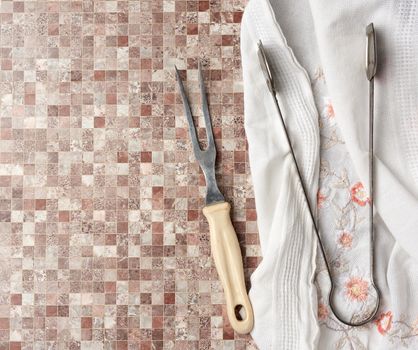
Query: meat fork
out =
(223, 239)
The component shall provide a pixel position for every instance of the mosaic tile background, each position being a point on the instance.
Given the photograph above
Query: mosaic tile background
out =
(103, 243)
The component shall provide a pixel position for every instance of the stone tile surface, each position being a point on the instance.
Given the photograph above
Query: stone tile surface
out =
(103, 243)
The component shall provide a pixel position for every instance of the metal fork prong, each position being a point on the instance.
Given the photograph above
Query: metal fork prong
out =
(205, 109)
(188, 112)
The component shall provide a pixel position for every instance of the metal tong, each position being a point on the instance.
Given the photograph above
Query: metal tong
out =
(371, 61)
(224, 243)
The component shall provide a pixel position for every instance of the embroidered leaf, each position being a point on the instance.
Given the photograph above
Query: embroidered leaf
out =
(342, 180)
(331, 140)
(324, 169)
(340, 343)
(357, 342)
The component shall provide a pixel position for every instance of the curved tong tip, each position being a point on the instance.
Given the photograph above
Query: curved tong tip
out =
(371, 52)
(265, 66)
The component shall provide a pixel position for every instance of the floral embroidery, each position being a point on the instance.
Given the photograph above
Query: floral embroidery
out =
(320, 199)
(359, 194)
(415, 327)
(398, 332)
(329, 110)
(345, 240)
(343, 218)
(357, 289)
(322, 311)
(384, 322)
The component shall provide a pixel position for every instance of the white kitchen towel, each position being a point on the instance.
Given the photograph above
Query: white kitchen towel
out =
(340, 32)
(332, 34)
(282, 290)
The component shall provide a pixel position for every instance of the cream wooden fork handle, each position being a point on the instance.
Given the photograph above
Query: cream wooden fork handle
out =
(228, 261)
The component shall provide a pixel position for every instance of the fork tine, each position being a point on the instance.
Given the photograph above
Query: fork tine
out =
(205, 109)
(188, 112)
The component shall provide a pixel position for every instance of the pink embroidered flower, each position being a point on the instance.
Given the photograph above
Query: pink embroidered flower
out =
(359, 194)
(384, 322)
(320, 199)
(345, 240)
(322, 312)
(357, 289)
(329, 110)
(415, 327)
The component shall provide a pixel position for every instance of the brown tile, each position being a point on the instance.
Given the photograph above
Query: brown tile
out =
(86, 322)
(14, 345)
(4, 323)
(122, 157)
(122, 40)
(99, 75)
(16, 299)
(40, 204)
(64, 216)
(99, 122)
(146, 157)
(203, 5)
